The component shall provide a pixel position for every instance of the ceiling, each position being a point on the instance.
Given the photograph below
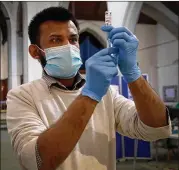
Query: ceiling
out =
(144, 19)
(94, 10)
(173, 6)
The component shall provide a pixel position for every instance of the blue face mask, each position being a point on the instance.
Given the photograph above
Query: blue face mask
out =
(62, 61)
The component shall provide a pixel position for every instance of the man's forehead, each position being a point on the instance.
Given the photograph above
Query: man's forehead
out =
(50, 26)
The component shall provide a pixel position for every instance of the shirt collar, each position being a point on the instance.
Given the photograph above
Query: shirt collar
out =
(79, 82)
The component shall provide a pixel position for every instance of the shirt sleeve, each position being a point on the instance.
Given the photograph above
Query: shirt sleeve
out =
(24, 126)
(129, 124)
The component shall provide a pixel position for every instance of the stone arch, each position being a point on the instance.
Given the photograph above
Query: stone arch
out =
(156, 11)
(6, 11)
(162, 15)
(132, 14)
(4, 51)
(13, 60)
(94, 30)
(131, 10)
(89, 45)
(5, 6)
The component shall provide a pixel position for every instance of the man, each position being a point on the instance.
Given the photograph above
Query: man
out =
(62, 122)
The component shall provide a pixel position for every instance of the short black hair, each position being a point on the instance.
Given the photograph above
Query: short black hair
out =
(49, 14)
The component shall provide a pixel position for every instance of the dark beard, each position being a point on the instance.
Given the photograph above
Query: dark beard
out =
(42, 61)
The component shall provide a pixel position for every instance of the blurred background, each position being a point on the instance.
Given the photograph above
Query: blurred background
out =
(155, 24)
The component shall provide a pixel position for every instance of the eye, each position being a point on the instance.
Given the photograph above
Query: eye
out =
(73, 40)
(55, 40)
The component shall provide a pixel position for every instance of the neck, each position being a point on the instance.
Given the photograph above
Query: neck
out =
(67, 82)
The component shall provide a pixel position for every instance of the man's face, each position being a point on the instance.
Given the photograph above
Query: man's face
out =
(52, 34)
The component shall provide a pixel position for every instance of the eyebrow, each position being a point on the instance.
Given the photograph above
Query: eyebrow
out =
(74, 35)
(55, 35)
(61, 36)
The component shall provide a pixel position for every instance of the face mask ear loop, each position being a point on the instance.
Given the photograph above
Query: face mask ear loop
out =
(39, 48)
(42, 60)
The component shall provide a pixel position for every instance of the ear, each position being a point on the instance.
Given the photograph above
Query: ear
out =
(34, 51)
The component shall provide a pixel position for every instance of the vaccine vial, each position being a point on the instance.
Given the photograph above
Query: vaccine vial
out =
(108, 18)
(108, 21)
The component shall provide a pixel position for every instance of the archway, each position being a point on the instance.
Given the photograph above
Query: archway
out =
(94, 29)
(92, 39)
(4, 43)
(92, 19)
(163, 14)
(89, 45)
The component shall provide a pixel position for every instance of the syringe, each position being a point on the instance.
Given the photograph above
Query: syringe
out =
(108, 21)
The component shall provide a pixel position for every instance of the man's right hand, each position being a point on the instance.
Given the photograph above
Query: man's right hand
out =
(100, 70)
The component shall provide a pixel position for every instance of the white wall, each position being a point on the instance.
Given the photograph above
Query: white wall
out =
(118, 9)
(147, 53)
(158, 49)
(167, 53)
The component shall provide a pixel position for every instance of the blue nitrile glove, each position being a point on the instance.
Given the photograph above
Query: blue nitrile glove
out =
(127, 43)
(100, 70)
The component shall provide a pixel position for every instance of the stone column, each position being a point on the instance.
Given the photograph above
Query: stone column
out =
(14, 76)
(10, 11)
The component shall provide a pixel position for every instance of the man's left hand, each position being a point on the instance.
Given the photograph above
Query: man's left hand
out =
(127, 43)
